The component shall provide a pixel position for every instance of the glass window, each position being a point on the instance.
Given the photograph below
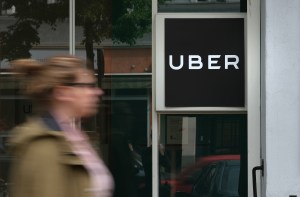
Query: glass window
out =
(230, 179)
(116, 37)
(38, 30)
(199, 154)
(202, 6)
(120, 132)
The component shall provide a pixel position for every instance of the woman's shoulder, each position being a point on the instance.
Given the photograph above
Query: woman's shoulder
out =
(32, 130)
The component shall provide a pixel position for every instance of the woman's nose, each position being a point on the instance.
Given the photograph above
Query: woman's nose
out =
(99, 91)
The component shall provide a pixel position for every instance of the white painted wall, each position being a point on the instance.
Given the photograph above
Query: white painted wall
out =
(281, 97)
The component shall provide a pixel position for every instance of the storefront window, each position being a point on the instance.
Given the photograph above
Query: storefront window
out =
(34, 32)
(203, 155)
(116, 38)
(120, 131)
(202, 6)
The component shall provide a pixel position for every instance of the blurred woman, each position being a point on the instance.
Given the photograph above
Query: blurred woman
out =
(53, 158)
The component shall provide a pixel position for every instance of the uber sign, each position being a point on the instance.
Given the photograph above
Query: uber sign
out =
(204, 62)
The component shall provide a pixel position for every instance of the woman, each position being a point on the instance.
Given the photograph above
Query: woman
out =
(53, 157)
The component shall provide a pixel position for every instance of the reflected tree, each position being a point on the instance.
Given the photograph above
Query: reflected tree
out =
(123, 21)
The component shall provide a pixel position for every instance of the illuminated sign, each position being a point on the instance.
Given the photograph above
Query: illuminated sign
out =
(204, 62)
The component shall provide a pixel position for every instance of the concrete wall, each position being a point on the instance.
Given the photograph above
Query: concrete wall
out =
(281, 97)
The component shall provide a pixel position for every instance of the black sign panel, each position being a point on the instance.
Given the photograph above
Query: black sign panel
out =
(204, 62)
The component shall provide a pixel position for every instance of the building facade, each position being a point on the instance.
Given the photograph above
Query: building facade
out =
(207, 100)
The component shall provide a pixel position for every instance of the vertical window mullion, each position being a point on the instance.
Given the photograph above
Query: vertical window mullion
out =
(155, 116)
(72, 27)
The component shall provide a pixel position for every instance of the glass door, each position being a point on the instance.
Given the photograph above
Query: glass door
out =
(203, 155)
(204, 150)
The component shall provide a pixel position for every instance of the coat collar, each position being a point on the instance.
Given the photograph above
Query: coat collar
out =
(50, 122)
(43, 127)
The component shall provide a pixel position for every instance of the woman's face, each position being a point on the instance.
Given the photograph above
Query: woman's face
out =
(85, 94)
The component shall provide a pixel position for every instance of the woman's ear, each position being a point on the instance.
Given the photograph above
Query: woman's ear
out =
(62, 93)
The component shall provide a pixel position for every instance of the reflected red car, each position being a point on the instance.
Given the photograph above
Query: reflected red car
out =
(186, 179)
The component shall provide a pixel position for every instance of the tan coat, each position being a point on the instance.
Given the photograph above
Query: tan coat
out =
(45, 165)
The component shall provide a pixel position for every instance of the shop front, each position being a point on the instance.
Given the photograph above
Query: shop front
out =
(181, 111)
(207, 101)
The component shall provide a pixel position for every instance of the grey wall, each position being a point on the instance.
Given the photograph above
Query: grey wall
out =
(281, 97)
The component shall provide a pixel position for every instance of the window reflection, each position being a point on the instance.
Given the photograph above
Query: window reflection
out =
(42, 30)
(120, 131)
(206, 154)
(27, 30)
(119, 44)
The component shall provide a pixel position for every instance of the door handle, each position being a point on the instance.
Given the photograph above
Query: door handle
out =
(256, 168)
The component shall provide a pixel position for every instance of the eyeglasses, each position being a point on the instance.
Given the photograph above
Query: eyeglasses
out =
(83, 85)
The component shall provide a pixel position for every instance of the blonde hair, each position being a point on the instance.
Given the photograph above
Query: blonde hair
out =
(38, 79)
